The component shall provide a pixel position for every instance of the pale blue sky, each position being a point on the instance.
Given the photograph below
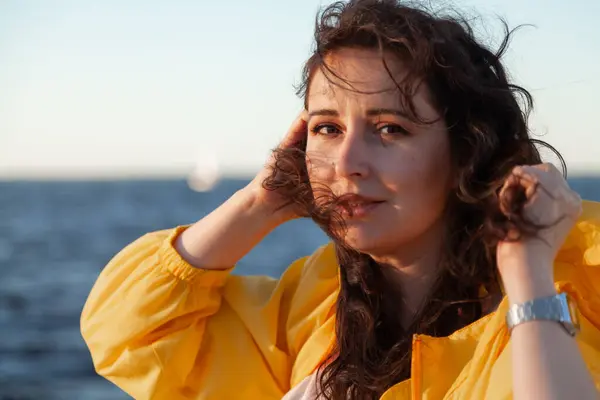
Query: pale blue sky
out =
(150, 86)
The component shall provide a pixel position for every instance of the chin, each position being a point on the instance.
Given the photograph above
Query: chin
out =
(364, 239)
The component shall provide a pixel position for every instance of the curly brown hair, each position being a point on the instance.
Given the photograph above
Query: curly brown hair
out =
(486, 117)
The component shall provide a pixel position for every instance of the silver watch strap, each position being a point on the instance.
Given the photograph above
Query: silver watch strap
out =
(553, 308)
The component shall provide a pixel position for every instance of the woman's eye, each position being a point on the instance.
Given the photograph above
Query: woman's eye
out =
(393, 130)
(326, 130)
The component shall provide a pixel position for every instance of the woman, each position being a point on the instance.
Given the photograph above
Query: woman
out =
(450, 242)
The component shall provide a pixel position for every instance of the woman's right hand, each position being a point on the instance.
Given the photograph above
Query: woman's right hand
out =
(270, 202)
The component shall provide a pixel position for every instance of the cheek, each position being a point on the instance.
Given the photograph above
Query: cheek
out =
(319, 166)
(420, 177)
(420, 186)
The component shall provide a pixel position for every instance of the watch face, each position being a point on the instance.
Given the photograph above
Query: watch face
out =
(574, 313)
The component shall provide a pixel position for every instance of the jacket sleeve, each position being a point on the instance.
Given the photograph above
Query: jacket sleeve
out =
(587, 296)
(582, 281)
(159, 328)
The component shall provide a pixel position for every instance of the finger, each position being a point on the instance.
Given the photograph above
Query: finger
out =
(542, 167)
(549, 182)
(574, 202)
(297, 131)
(534, 178)
(522, 180)
(552, 170)
(511, 181)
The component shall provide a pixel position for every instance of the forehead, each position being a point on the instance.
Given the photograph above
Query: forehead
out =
(357, 74)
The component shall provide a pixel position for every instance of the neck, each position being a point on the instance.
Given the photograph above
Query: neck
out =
(414, 268)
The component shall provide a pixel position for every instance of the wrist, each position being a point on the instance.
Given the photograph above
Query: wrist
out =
(526, 292)
(528, 282)
(254, 209)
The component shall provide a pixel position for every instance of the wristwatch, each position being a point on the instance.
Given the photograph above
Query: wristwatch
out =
(559, 308)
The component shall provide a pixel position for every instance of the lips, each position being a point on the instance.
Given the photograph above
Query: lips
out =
(356, 206)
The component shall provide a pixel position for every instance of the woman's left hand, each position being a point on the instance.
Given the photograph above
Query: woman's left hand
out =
(526, 265)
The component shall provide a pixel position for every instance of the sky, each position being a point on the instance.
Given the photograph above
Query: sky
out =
(113, 88)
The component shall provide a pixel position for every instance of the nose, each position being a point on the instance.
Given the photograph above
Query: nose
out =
(353, 157)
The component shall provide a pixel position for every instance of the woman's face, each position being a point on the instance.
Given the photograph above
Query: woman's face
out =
(361, 144)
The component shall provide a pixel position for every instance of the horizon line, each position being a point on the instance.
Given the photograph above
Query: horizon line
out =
(116, 174)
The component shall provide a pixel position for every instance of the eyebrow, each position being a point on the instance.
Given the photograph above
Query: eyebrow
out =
(373, 112)
(385, 111)
(324, 112)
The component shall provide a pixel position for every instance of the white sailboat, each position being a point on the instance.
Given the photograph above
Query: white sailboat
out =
(205, 174)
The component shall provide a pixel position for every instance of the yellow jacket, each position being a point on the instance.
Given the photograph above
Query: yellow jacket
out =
(161, 329)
